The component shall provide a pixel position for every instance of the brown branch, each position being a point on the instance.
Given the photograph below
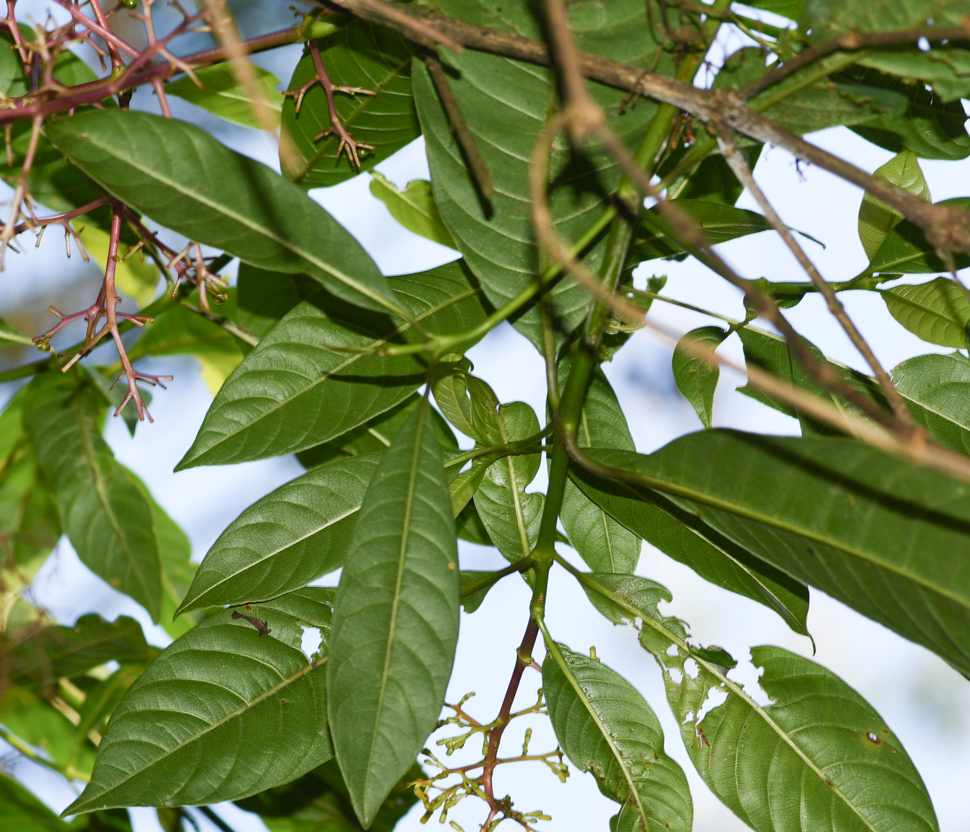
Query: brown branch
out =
(411, 25)
(946, 227)
(852, 42)
(465, 137)
(740, 167)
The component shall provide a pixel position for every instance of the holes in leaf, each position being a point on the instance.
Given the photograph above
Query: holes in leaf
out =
(676, 675)
(715, 697)
(873, 738)
(311, 641)
(672, 651)
(923, 44)
(692, 669)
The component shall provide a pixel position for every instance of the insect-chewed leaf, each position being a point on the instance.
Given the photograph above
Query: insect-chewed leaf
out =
(222, 713)
(606, 727)
(877, 533)
(506, 105)
(300, 386)
(833, 762)
(396, 619)
(290, 537)
(107, 517)
(198, 187)
(362, 55)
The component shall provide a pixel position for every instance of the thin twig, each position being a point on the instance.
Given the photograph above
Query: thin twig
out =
(465, 137)
(740, 167)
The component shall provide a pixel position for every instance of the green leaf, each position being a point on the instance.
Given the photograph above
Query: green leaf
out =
(177, 571)
(511, 516)
(834, 763)
(103, 511)
(414, 208)
(263, 297)
(292, 536)
(222, 95)
(397, 600)
(606, 727)
(786, 8)
(301, 387)
(720, 223)
(506, 104)
(9, 335)
(603, 543)
(180, 331)
(711, 181)
(319, 802)
(937, 312)
(906, 250)
(101, 700)
(689, 540)
(375, 435)
(941, 386)
(67, 652)
(929, 400)
(467, 402)
(931, 128)
(946, 66)
(876, 533)
(20, 809)
(362, 55)
(876, 218)
(28, 517)
(697, 378)
(222, 713)
(215, 196)
(473, 599)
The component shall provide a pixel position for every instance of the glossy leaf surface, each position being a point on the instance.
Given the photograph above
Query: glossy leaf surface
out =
(196, 186)
(606, 727)
(103, 511)
(876, 218)
(361, 55)
(292, 536)
(941, 384)
(301, 386)
(222, 713)
(937, 312)
(397, 600)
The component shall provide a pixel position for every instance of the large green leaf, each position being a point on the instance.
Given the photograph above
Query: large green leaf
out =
(222, 713)
(24, 812)
(29, 522)
(396, 619)
(56, 652)
(946, 66)
(876, 218)
(906, 250)
(361, 55)
(103, 510)
(937, 312)
(219, 92)
(877, 533)
(818, 757)
(606, 727)
(292, 536)
(377, 434)
(263, 297)
(192, 184)
(930, 128)
(300, 387)
(941, 385)
(180, 331)
(506, 105)
(414, 208)
(833, 762)
(688, 539)
(510, 515)
(603, 543)
(177, 571)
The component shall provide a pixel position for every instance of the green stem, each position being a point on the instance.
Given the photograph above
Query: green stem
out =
(28, 751)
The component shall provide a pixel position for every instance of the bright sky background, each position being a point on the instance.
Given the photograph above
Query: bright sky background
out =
(925, 702)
